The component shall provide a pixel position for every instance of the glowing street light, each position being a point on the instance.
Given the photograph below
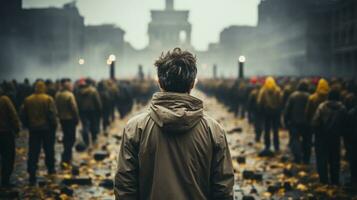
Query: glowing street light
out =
(81, 61)
(111, 62)
(241, 59)
(112, 57)
(241, 62)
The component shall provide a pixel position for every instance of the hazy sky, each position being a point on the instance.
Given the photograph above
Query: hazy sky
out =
(208, 17)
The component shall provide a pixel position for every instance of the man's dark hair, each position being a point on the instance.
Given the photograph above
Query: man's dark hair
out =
(176, 70)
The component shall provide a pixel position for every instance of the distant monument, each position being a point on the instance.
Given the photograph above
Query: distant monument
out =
(169, 28)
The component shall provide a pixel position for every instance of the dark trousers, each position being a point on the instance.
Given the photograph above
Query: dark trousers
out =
(328, 159)
(90, 123)
(41, 139)
(300, 143)
(350, 142)
(69, 138)
(271, 124)
(241, 110)
(7, 153)
(106, 118)
(258, 122)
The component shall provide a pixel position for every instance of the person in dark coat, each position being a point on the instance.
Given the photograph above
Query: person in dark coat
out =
(39, 115)
(90, 109)
(295, 120)
(9, 128)
(255, 111)
(330, 125)
(174, 151)
(106, 99)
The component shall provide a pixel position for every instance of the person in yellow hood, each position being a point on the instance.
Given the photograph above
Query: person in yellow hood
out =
(315, 99)
(39, 115)
(270, 103)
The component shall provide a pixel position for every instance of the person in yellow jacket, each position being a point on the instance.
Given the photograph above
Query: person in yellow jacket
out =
(9, 127)
(39, 115)
(315, 99)
(270, 103)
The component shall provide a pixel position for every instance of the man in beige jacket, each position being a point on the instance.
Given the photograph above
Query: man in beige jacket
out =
(174, 151)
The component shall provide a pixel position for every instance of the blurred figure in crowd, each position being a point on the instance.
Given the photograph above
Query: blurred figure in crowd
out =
(69, 118)
(90, 109)
(255, 111)
(295, 120)
(171, 145)
(106, 99)
(124, 99)
(269, 101)
(330, 124)
(9, 128)
(51, 88)
(352, 147)
(24, 90)
(39, 115)
(315, 99)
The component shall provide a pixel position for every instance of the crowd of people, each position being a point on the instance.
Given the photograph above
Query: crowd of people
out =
(45, 105)
(319, 114)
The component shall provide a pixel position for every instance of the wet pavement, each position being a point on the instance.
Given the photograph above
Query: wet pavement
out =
(256, 177)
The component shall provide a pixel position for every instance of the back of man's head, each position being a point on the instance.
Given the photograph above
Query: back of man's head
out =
(176, 71)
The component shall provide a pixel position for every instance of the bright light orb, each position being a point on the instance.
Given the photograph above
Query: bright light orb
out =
(112, 58)
(81, 61)
(242, 59)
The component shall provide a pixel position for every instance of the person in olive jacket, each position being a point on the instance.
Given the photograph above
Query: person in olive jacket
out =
(174, 150)
(9, 128)
(69, 118)
(39, 115)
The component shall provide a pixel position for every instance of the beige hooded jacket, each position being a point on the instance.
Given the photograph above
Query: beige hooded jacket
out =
(174, 151)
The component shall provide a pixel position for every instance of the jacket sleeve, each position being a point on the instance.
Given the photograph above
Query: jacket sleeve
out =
(287, 112)
(52, 113)
(74, 108)
(126, 186)
(14, 118)
(222, 175)
(309, 111)
(317, 118)
(23, 115)
(97, 100)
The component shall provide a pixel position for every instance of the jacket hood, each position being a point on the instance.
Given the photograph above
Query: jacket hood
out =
(322, 87)
(176, 112)
(270, 83)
